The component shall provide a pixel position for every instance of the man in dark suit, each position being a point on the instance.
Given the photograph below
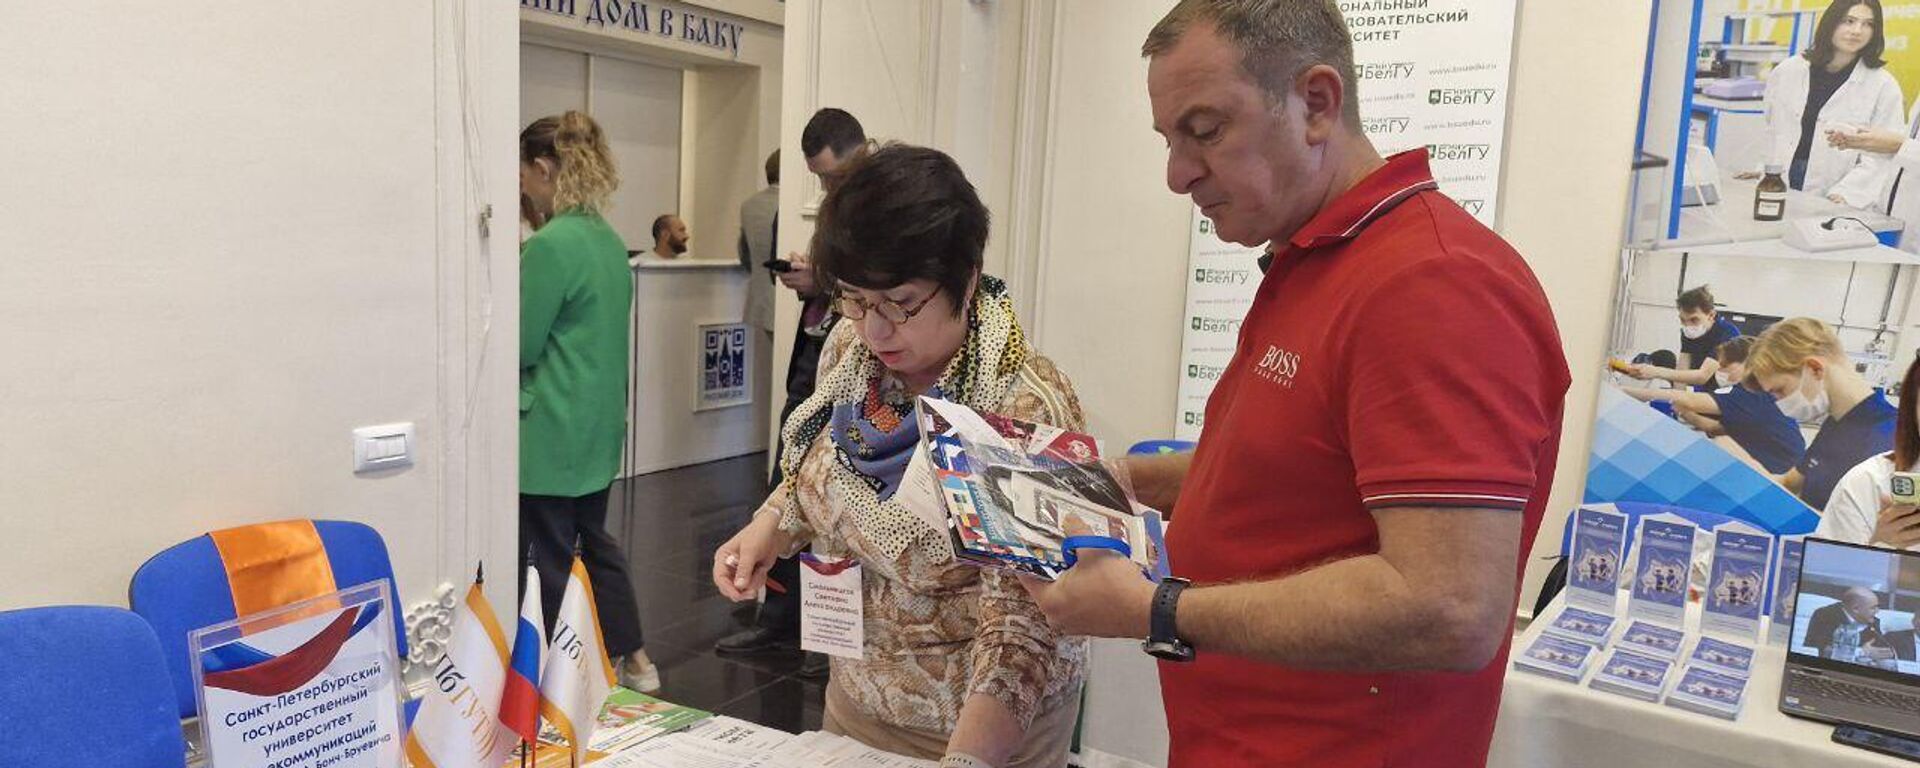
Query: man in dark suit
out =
(1858, 605)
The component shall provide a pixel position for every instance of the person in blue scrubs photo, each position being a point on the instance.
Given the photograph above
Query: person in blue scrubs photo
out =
(1862, 509)
(1737, 415)
(1702, 331)
(1800, 363)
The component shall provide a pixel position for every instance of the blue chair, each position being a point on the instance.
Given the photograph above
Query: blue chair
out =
(85, 686)
(185, 588)
(1154, 447)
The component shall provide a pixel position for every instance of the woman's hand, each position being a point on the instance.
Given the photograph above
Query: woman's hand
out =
(1837, 199)
(1747, 175)
(740, 565)
(1898, 525)
(1866, 140)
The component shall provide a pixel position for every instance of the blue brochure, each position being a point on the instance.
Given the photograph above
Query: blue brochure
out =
(1709, 692)
(1722, 656)
(1737, 582)
(1556, 657)
(1632, 675)
(1786, 584)
(1665, 564)
(1585, 626)
(1594, 561)
(1652, 639)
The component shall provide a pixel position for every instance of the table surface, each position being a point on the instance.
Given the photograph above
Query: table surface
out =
(1731, 219)
(1548, 722)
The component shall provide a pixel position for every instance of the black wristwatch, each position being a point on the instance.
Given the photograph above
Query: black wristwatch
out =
(1163, 636)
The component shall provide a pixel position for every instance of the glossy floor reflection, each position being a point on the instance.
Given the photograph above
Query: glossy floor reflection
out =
(670, 523)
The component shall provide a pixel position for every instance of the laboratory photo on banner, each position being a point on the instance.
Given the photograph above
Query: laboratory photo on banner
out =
(1762, 321)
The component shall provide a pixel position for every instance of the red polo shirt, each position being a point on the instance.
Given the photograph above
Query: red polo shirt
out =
(1398, 353)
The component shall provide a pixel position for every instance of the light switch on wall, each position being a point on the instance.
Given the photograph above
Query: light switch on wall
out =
(383, 447)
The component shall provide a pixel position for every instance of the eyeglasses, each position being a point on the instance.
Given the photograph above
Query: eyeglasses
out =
(852, 307)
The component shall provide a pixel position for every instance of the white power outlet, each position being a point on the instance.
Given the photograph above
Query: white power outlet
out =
(383, 447)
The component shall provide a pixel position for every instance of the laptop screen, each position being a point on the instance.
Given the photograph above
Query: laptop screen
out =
(1855, 607)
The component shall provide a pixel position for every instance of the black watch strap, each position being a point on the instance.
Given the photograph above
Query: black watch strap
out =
(1163, 638)
(1160, 624)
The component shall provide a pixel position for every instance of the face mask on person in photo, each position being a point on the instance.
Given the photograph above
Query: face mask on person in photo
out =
(1799, 407)
(1722, 380)
(1691, 332)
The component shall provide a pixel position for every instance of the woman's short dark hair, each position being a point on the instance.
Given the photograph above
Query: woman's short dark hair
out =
(1822, 51)
(903, 213)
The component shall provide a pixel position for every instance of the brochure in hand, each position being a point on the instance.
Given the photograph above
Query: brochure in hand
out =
(1632, 675)
(1016, 491)
(1722, 656)
(1652, 639)
(1556, 657)
(1709, 692)
(1585, 626)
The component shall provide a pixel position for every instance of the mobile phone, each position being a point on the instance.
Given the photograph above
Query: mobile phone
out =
(1904, 488)
(778, 265)
(1875, 741)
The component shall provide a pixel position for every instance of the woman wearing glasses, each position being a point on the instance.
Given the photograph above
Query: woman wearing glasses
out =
(959, 664)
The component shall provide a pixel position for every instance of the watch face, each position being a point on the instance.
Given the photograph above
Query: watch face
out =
(1168, 650)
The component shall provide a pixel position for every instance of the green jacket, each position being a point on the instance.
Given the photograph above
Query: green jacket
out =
(576, 293)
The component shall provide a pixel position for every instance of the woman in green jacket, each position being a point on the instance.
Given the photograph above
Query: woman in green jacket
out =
(575, 296)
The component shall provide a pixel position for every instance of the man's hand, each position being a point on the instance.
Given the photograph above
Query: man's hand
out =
(1103, 595)
(800, 278)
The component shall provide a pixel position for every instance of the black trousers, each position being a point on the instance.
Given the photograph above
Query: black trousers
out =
(548, 525)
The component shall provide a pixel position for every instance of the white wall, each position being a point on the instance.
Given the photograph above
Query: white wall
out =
(226, 245)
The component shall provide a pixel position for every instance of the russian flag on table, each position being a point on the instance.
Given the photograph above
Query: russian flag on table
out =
(578, 675)
(520, 705)
(458, 726)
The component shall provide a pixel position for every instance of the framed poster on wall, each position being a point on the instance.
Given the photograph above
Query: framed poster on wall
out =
(723, 367)
(1437, 80)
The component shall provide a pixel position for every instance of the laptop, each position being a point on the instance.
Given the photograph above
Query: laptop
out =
(1851, 655)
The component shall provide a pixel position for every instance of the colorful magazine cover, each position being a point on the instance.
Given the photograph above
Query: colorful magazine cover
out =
(1015, 491)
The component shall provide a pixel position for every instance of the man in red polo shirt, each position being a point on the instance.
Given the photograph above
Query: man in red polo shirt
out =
(1377, 454)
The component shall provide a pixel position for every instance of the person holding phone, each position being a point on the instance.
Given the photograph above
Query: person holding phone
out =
(1861, 510)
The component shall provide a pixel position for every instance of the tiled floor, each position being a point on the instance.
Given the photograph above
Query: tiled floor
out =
(677, 519)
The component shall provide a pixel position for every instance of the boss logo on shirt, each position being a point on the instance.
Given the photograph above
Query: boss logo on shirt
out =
(1459, 151)
(1278, 366)
(1216, 325)
(1385, 126)
(1461, 96)
(1206, 276)
(1393, 70)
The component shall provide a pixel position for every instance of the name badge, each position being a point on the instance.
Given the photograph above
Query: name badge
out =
(832, 607)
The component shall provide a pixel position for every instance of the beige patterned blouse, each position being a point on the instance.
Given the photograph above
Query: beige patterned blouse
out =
(938, 630)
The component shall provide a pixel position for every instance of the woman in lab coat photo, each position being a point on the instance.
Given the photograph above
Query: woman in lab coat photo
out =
(1900, 176)
(1838, 86)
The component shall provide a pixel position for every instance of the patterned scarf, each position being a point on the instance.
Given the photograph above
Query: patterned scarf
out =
(874, 433)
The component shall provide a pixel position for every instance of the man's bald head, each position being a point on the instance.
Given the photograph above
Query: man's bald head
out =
(1862, 603)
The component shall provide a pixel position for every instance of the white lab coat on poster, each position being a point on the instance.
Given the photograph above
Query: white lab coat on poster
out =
(1870, 98)
(1900, 190)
